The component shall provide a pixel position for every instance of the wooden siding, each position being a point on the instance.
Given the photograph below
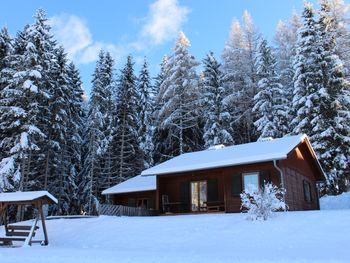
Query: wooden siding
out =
(297, 168)
(170, 185)
(233, 202)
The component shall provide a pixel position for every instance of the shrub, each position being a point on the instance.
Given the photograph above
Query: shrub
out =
(261, 203)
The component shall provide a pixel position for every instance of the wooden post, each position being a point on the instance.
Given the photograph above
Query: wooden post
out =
(4, 213)
(28, 241)
(225, 191)
(1, 214)
(157, 194)
(46, 242)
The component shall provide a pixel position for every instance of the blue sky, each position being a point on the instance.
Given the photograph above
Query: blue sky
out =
(143, 27)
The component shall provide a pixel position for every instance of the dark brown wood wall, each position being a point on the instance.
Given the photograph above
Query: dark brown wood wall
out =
(299, 166)
(172, 185)
(233, 202)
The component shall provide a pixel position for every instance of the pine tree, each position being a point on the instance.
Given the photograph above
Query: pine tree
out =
(160, 133)
(99, 123)
(6, 50)
(216, 128)
(126, 143)
(74, 144)
(285, 40)
(180, 112)
(270, 107)
(108, 173)
(320, 93)
(308, 75)
(333, 142)
(145, 110)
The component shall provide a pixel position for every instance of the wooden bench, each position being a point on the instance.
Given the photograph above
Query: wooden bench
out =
(16, 233)
(215, 206)
(20, 227)
(7, 241)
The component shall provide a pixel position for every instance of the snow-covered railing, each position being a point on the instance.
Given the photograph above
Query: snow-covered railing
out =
(120, 210)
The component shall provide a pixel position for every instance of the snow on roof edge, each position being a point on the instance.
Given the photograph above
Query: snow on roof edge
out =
(246, 160)
(135, 184)
(105, 192)
(215, 165)
(25, 196)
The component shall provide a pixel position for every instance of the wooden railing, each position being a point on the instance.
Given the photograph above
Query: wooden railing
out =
(120, 210)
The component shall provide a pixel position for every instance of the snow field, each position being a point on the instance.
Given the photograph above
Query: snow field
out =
(312, 236)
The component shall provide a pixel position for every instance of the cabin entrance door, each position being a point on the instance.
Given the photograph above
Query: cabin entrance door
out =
(199, 191)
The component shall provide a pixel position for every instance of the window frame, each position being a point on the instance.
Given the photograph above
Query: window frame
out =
(257, 173)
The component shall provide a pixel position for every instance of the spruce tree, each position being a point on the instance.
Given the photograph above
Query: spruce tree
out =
(145, 109)
(125, 142)
(320, 94)
(160, 133)
(333, 142)
(270, 106)
(216, 128)
(99, 123)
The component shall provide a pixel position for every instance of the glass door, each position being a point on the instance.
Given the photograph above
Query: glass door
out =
(199, 196)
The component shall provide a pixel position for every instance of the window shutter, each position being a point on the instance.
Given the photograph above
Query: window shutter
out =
(185, 196)
(236, 184)
(213, 194)
(264, 177)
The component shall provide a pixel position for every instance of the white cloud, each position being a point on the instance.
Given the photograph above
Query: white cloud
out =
(90, 54)
(73, 33)
(164, 21)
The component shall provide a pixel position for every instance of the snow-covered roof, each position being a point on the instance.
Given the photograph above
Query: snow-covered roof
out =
(26, 196)
(136, 184)
(260, 151)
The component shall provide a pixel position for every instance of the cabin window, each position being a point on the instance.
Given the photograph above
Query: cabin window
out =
(251, 181)
(307, 191)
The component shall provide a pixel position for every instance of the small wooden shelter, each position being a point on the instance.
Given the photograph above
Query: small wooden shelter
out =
(25, 233)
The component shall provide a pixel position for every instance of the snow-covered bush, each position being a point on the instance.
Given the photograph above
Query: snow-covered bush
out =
(261, 203)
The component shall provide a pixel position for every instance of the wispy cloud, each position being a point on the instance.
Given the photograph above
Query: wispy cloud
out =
(164, 21)
(74, 34)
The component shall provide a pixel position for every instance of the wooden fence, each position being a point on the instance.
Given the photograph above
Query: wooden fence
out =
(120, 210)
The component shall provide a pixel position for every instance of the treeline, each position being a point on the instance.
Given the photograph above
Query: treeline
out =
(50, 139)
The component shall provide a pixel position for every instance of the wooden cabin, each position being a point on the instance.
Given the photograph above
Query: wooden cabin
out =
(212, 180)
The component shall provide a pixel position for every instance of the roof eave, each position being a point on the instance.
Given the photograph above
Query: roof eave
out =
(212, 167)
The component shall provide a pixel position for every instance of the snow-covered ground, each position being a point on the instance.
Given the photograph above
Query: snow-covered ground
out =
(314, 236)
(336, 202)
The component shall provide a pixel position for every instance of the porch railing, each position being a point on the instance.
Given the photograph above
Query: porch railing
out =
(120, 210)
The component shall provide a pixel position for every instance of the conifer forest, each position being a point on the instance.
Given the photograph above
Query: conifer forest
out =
(55, 137)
